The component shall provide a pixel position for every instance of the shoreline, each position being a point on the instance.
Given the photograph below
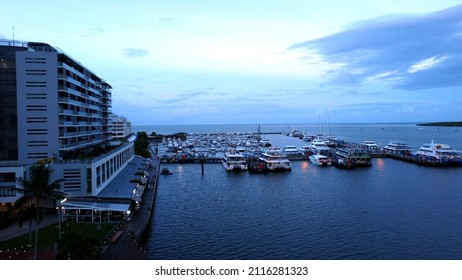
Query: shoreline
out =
(448, 124)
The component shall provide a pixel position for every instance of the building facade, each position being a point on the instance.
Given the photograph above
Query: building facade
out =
(119, 126)
(54, 107)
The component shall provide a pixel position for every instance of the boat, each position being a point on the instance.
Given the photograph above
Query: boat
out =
(308, 137)
(369, 144)
(290, 150)
(256, 165)
(352, 156)
(265, 143)
(165, 171)
(397, 148)
(305, 149)
(320, 160)
(438, 154)
(275, 160)
(234, 161)
(319, 147)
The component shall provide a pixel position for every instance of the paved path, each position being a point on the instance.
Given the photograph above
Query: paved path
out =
(14, 230)
(127, 246)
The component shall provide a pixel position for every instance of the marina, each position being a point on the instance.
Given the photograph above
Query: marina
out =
(393, 209)
(214, 148)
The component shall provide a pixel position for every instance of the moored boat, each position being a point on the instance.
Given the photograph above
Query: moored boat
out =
(369, 144)
(352, 157)
(320, 160)
(290, 150)
(275, 160)
(234, 161)
(438, 154)
(396, 148)
(319, 147)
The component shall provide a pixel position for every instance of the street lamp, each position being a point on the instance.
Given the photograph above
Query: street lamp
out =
(60, 215)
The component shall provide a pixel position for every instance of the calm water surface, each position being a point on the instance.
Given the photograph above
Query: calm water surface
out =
(392, 210)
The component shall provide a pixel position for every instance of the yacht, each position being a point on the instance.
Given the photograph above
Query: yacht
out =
(265, 143)
(290, 150)
(440, 153)
(234, 161)
(369, 144)
(308, 137)
(320, 160)
(275, 160)
(319, 147)
(305, 149)
(397, 147)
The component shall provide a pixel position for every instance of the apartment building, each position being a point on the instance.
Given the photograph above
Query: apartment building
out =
(54, 107)
(119, 126)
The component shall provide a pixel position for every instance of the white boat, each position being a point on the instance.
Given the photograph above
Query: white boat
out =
(397, 147)
(308, 137)
(234, 161)
(290, 150)
(320, 160)
(319, 147)
(265, 143)
(305, 149)
(441, 153)
(275, 160)
(369, 144)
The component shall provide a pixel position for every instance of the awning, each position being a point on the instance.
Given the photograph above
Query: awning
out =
(97, 206)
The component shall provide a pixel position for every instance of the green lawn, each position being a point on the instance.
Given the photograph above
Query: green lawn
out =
(49, 235)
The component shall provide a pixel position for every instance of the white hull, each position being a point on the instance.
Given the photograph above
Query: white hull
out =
(320, 160)
(234, 162)
(235, 166)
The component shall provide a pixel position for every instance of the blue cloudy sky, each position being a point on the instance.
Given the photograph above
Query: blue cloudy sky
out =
(260, 61)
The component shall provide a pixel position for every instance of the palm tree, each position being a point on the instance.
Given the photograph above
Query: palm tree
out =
(28, 213)
(37, 189)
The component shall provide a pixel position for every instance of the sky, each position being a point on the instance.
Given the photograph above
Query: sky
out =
(259, 61)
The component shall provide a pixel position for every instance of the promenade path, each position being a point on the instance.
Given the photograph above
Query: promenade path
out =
(127, 246)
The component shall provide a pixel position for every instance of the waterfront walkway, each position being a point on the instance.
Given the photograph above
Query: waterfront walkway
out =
(126, 245)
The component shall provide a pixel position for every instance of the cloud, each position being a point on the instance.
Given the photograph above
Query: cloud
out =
(408, 51)
(131, 52)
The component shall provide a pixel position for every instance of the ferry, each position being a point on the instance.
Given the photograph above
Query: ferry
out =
(353, 156)
(275, 160)
(234, 161)
(290, 150)
(441, 154)
(396, 148)
(320, 160)
(319, 147)
(305, 149)
(369, 144)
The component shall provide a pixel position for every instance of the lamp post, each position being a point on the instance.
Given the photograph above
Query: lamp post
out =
(60, 214)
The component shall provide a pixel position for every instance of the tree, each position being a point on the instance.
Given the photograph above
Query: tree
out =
(142, 144)
(29, 213)
(36, 189)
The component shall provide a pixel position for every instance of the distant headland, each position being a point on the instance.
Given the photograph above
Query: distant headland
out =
(441, 124)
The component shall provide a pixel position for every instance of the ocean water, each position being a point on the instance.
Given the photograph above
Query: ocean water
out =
(392, 210)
